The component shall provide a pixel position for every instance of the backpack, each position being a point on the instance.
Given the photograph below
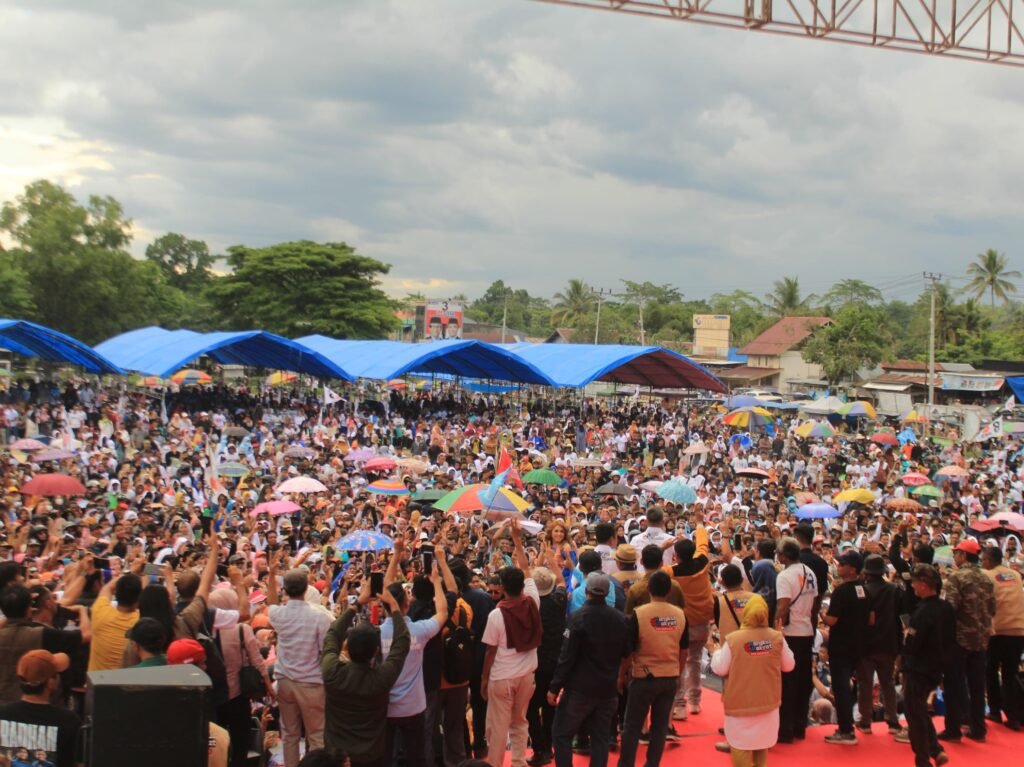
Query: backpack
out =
(458, 651)
(216, 668)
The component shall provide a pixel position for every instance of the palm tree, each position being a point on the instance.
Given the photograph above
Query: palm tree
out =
(988, 273)
(785, 299)
(572, 305)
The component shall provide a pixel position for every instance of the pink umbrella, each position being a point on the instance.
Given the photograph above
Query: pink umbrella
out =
(52, 455)
(27, 444)
(275, 508)
(381, 463)
(362, 454)
(302, 485)
(53, 484)
(1010, 519)
(916, 479)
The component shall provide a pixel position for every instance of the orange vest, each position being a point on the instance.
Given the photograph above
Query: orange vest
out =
(661, 630)
(700, 599)
(754, 683)
(737, 600)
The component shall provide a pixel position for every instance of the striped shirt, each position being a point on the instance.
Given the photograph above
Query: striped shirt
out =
(301, 629)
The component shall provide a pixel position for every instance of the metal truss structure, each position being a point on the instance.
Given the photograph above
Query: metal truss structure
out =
(977, 30)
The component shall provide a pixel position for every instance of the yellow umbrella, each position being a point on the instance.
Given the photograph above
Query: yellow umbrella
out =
(280, 378)
(858, 495)
(191, 377)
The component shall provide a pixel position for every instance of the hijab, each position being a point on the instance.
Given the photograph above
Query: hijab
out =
(755, 613)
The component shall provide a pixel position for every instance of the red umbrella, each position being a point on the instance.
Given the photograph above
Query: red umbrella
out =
(1004, 519)
(885, 438)
(916, 479)
(53, 484)
(381, 463)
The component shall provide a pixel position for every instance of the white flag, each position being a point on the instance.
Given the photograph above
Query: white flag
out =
(330, 397)
(1010, 403)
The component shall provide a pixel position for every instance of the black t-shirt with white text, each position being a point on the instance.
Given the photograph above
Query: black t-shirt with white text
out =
(849, 603)
(38, 735)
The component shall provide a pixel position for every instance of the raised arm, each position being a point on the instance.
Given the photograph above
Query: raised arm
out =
(519, 555)
(330, 665)
(210, 571)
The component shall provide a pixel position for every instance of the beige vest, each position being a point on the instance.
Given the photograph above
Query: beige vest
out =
(661, 630)
(754, 683)
(1009, 617)
(737, 600)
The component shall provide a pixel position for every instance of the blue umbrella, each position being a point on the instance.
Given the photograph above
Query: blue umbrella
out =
(817, 511)
(907, 435)
(743, 440)
(743, 400)
(676, 491)
(364, 540)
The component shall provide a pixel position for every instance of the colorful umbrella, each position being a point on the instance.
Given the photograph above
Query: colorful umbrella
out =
(676, 491)
(542, 477)
(905, 505)
(275, 508)
(388, 487)
(191, 377)
(362, 454)
(380, 463)
(698, 448)
(364, 540)
(927, 490)
(817, 511)
(943, 556)
(1004, 519)
(397, 384)
(467, 499)
(150, 382)
(232, 469)
(280, 378)
(916, 478)
(953, 471)
(51, 455)
(52, 485)
(885, 438)
(27, 444)
(914, 417)
(858, 409)
(748, 417)
(816, 430)
(742, 400)
(806, 497)
(857, 495)
(302, 485)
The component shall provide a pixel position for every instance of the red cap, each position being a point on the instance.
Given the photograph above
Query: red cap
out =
(185, 651)
(969, 546)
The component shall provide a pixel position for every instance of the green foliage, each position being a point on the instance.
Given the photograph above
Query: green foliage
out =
(852, 291)
(747, 317)
(856, 338)
(299, 288)
(573, 305)
(989, 274)
(16, 296)
(186, 264)
(522, 311)
(785, 299)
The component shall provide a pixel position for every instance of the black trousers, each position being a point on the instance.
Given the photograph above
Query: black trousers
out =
(655, 695)
(1005, 694)
(796, 690)
(411, 730)
(235, 716)
(843, 669)
(576, 709)
(479, 707)
(964, 689)
(916, 689)
(540, 717)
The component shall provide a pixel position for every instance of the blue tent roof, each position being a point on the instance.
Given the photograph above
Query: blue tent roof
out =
(33, 340)
(158, 352)
(384, 360)
(1016, 384)
(576, 365)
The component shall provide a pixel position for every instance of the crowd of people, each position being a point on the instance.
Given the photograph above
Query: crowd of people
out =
(360, 625)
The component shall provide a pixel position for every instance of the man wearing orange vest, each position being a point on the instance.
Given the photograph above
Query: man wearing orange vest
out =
(751, 661)
(658, 641)
(1005, 695)
(691, 573)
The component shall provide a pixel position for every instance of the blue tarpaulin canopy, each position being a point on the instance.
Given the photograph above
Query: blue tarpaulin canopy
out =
(33, 340)
(1016, 384)
(158, 352)
(576, 365)
(384, 360)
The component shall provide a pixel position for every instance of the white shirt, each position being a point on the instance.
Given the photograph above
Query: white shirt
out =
(509, 664)
(608, 566)
(798, 584)
(751, 733)
(657, 536)
(300, 638)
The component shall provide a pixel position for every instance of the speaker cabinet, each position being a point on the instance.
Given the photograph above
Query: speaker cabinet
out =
(148, 717)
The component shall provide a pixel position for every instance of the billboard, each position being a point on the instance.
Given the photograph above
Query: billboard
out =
(441, 320)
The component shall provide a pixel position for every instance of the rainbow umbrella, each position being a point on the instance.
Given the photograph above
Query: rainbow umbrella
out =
(388, 487)
(747, 417)
(467, 499)
(816, 430)
(191, 377)
(364, 540)
(858, 409)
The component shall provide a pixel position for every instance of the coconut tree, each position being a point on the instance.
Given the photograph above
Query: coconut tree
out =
(988, 273)
(572, 304)
(785, 299)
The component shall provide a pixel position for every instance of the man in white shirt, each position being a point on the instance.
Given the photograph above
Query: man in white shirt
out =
(796, 589)
(511, 636)
(655, 534)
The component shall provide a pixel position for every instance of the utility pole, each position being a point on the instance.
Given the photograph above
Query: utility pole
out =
(504, 316)
(599, 294)
(934, 279)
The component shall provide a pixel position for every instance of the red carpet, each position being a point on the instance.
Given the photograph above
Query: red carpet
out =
(700, 733)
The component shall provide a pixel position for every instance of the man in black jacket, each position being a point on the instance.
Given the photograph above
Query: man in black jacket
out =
(541, 714)
(881, 646)
(586, 677)
(928, 646)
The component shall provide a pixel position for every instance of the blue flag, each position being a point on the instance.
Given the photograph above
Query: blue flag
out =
(487, 495)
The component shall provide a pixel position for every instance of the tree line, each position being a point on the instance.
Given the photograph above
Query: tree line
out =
(68, 266)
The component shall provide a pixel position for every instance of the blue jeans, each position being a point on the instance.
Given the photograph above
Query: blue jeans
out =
(576, 709)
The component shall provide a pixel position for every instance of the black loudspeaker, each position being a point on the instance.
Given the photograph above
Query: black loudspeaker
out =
(147, 717)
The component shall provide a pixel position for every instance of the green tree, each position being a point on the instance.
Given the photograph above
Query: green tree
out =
(300, 288)
(16, 296)
(573, 304)
(855, 338)
(186, 264)
(852, 291)
(81, 279)
(989, 274)
(785, 299)
(746, 314)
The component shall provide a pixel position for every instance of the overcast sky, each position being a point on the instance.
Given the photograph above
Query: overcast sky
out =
(464, 141)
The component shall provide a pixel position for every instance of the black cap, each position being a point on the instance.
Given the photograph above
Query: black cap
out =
(148, 632)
